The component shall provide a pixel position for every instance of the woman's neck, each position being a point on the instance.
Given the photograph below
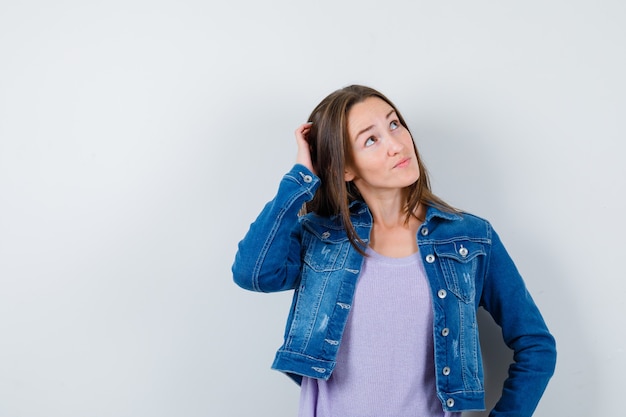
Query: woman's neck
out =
(392, 235)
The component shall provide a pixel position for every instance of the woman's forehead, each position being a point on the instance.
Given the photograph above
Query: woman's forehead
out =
(364, 115)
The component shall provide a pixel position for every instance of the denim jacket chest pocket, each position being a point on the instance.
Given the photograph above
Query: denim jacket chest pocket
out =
(325, 248)
(459, 261)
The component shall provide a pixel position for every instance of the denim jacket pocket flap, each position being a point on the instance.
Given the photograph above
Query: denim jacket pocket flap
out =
(325, 233)
(461, 250)
(459, 261)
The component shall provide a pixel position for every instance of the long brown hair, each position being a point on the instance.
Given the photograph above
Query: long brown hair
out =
(331, 152)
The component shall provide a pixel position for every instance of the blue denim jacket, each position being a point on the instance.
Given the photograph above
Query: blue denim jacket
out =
(466, 264)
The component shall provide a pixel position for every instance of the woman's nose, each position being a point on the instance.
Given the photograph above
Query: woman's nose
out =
(394, 145)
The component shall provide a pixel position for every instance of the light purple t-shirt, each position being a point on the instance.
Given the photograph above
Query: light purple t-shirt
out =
(385, 362)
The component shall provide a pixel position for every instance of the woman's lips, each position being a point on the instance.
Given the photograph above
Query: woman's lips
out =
(403, 162)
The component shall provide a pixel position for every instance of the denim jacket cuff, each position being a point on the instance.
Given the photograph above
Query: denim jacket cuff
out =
(304, 177)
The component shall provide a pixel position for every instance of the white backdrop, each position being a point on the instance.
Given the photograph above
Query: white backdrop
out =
(138, 140)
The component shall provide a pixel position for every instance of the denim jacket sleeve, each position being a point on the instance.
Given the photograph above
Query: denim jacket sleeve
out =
(268, 257)
(508, 301)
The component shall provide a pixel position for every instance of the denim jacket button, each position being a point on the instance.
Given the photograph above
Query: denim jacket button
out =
(307, 178)
(425, 231)
(445, 331)
(430, 258)
(442, 293)
(450, 402)
(325, 235)
(446, 371)
(463, 251)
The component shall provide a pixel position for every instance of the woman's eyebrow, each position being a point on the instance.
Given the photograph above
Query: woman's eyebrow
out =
(363, 131)
(369, 127)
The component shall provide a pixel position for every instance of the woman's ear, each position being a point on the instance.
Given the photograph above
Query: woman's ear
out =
(348, 175)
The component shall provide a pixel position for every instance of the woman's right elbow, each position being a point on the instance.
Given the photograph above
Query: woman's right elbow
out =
(243, 277)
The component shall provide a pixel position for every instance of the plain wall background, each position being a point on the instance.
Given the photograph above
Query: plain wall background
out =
(138, 140)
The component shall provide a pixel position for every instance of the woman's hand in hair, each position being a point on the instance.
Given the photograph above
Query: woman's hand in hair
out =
(304, 151)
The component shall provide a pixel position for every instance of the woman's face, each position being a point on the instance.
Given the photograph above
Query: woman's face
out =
(382, 149)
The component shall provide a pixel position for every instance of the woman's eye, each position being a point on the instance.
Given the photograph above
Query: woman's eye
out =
(370, 141)
(394, 125)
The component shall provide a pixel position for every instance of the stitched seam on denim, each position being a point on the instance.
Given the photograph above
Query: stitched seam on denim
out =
(489, 236)
(475, 351)
(312, 358)
(467, 391)
(432, 241)
(462, 346)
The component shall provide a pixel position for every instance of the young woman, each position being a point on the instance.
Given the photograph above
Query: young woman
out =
(387, 277)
